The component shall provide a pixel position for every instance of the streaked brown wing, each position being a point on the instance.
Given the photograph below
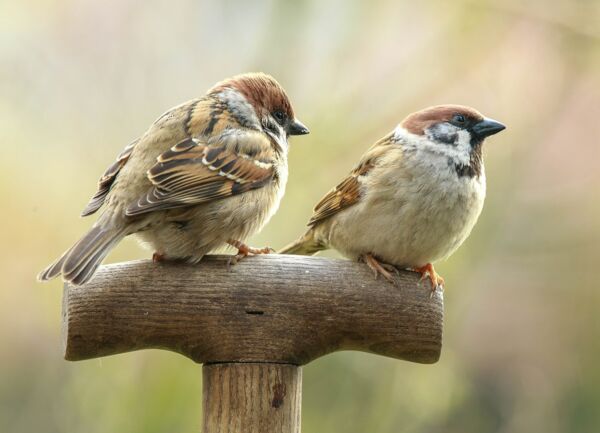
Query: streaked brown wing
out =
(194, 172)
(107, 179)
(347, 192)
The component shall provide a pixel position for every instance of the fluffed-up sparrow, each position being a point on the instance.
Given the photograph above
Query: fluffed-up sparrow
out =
(412, 199)
(207, 173)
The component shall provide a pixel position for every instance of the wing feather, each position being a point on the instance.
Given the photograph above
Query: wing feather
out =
(194, 172)
(107, 179)
(348, 191)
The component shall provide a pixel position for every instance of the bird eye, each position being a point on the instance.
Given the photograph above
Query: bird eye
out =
(280, 116)
(459, 118)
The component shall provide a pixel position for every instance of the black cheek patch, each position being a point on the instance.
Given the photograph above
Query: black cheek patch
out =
(441, 135)
(475, 141)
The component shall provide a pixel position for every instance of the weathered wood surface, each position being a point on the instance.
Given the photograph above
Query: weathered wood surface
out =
(275, 308)
(251, 398)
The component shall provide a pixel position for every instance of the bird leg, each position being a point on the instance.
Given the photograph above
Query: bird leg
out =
(244, 251)
(380, 268)
(158, 257)
(428, 272)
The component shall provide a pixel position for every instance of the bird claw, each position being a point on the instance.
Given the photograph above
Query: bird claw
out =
(435, 289)
(381, 268)
(244, 251)
(158, 257)
(428, 273)
(390, 268)
(233, 260)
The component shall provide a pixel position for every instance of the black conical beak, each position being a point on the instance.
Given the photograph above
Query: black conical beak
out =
(487, 127)
(297, 128)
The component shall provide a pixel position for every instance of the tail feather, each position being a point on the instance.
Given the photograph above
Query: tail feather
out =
(306, 245)
(53, 270)
(78, 263)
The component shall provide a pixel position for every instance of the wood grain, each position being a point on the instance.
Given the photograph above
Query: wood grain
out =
(275, 308)
(251, 398)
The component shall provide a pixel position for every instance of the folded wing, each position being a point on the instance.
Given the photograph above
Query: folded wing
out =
(194, 172)
(348, 191)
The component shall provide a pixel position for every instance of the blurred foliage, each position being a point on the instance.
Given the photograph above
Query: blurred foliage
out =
(79, 79)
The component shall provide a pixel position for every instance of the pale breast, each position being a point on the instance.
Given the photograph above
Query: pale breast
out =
(190, 233)
(410, 214)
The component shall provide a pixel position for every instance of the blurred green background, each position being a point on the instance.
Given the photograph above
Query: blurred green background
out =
(80, 79)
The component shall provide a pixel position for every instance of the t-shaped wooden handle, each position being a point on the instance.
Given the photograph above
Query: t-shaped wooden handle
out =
(252, 325)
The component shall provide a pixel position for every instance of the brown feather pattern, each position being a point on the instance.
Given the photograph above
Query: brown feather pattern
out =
(347, 192)
(194, 172)
(260, 90)
(107, 179)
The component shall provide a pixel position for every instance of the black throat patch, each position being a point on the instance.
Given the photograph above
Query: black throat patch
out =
(473, 168)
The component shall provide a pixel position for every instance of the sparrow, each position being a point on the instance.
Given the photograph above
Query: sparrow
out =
(207, 173)
(412, 199)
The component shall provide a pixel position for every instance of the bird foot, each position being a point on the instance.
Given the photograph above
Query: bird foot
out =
(428, 272)
(244, 251)
(158, 257)
(380, 268)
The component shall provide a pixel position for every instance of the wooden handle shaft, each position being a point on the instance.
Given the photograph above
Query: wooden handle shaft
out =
(251, 398)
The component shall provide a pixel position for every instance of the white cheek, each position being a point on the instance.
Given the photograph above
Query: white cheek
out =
(464, 139)
(280, 137)
(443, 129)
(239, 104)
(400, 132)
(462, 148)
(459, 152)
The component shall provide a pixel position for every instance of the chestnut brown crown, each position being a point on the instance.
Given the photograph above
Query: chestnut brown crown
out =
(418, 122)
(263, 92)
(267, 97)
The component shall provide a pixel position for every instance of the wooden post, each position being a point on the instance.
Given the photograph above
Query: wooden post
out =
(252, 327)
(251, 398)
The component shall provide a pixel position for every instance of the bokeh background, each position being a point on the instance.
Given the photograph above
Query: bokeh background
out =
(80, 79)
